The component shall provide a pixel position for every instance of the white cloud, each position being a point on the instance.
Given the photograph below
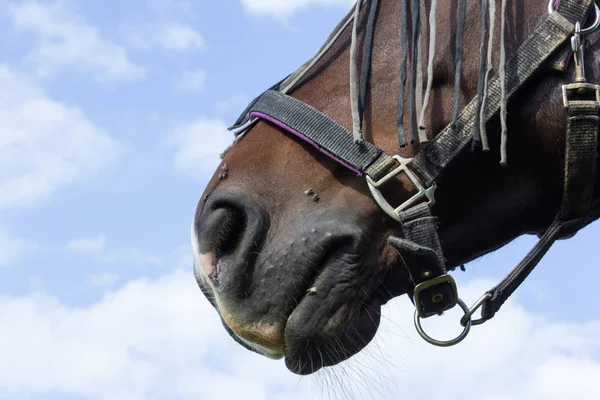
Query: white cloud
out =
(192, 81)
(197, 147)
(96, 246)
(178, 36)
(156, 339)
(45, 145)
(285, 9)
(161, 339)
(65, 40)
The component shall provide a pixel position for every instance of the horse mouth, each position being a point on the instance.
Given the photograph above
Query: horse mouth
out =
(325, 316)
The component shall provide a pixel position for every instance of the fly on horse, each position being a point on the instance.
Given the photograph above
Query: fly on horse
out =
(421, 136)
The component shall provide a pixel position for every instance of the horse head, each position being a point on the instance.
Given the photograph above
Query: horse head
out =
(290, 246)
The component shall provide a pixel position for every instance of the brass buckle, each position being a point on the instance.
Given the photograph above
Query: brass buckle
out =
(436, 296)
(402, 168)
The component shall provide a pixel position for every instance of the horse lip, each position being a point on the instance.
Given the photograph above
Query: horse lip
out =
(320, 261)
(348, 318)
(266, 340)
(334, 322)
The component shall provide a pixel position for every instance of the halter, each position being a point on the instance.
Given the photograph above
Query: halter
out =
(435, 291)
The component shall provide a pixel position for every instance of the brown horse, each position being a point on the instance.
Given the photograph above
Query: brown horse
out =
(291, 248)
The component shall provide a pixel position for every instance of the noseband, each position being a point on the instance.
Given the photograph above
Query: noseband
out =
(435, 291)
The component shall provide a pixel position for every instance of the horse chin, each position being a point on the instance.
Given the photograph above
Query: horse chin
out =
(324, 331)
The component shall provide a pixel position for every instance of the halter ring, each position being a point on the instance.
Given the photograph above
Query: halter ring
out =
(448, 343)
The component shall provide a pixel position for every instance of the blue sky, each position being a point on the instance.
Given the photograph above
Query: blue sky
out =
(112, 115)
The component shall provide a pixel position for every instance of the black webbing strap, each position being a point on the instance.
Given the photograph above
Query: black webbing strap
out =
(429, 163)
(421, 254)
(580, 159)
(583, 123)
(321, 131)
(501, 292)
(419, 226)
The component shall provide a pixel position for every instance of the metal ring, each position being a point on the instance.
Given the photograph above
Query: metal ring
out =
(595, 25)
(440, 343)
(467, 317)
(589, 29)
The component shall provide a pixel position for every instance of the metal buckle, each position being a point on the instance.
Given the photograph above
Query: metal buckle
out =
(579, 89)
(403, 167)
(437, 296)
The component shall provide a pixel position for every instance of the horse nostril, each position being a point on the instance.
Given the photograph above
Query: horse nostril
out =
(229, 231)
(221, 230)
(226, 231)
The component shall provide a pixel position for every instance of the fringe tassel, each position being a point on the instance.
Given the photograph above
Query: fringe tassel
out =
(430, 59)
(462, 11)
(420, 76)
(503, 111)
(483, 116)
(416, 33)
(367, 55)
(403, 68)
(481, 76)
(354, 89)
